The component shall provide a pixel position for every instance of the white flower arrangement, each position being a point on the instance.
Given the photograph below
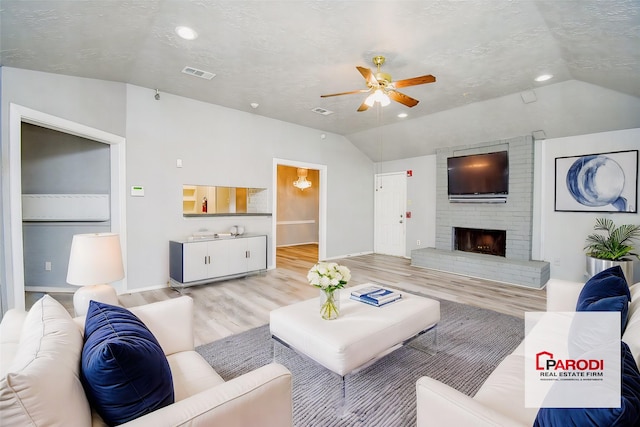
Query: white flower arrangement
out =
(328, 276)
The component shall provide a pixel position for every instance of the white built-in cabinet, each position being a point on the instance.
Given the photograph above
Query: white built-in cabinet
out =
(196, 262)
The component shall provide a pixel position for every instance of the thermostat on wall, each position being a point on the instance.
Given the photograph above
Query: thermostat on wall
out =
(137, 191)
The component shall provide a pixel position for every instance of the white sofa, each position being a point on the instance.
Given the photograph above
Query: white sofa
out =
(41, 386)
(500, 400)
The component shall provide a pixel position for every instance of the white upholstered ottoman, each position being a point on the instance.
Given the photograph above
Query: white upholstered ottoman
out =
(360, 335)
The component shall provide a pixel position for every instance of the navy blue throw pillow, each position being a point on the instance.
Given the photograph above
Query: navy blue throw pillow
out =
(619, 303)
(607, 283)
(124, 371)
(627, 415)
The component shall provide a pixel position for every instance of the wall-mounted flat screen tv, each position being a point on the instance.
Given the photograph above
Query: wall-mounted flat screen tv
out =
(479, 175)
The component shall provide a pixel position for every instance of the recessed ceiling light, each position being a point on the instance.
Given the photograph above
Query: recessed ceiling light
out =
(543, 77)
(402, 115)
(186, 33)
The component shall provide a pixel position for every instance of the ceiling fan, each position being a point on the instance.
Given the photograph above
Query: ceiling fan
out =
(383, 89)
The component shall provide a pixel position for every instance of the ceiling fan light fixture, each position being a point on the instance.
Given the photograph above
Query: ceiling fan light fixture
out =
(370, 101)
(378, 96)
(382, 86)
(384, 100)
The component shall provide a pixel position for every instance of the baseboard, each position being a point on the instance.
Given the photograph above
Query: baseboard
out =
(61, 290)
(348, 255)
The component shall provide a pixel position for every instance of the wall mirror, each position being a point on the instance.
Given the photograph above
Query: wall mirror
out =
(201, 200)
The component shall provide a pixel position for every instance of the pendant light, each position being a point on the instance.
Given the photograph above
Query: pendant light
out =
(302, 182)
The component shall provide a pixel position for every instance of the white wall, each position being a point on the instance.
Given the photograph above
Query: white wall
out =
(95, 103)
(564, 233)
(218, 146)
(421, 196)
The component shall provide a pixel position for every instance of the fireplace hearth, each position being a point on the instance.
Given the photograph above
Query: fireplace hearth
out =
(491, 242)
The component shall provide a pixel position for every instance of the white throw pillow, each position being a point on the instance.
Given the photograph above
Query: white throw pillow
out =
(42, 385)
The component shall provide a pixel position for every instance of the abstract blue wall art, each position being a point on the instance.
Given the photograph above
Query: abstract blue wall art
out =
(606, 182)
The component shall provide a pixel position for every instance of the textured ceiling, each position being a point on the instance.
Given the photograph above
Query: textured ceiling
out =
(284, 54)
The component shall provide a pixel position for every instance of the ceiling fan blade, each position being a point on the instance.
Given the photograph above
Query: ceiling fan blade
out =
(345, 93)
(414, 81)
(363, 107)
(368, 76)
(402, 98)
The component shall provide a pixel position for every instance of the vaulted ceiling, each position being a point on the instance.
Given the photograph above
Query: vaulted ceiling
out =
(282, 55)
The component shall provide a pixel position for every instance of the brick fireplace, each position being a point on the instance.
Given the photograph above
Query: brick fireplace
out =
(503, 256)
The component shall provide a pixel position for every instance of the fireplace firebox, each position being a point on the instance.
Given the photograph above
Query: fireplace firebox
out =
(491, 242)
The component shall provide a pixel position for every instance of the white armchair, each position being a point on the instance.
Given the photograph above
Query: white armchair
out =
(261, 397)
(500, 400)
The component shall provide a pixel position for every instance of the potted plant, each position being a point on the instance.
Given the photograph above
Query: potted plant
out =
(613, 248)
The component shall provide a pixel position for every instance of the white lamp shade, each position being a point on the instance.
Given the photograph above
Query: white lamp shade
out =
(95, 259)
(378, 96)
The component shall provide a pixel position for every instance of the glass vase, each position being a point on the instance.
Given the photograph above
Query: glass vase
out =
(329, 304)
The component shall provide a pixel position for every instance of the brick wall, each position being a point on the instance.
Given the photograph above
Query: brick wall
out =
(515, 216)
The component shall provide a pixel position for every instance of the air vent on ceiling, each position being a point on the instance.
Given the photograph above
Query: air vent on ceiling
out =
(322, 111)
(198, 73)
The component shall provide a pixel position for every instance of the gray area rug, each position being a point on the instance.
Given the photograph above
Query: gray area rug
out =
(470, 341)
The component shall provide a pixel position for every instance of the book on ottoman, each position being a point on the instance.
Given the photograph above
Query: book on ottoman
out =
(375, 295)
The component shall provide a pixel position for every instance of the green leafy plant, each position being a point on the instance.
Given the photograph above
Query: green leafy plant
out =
(616, 244)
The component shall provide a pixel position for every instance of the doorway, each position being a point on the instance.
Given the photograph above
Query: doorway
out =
(390, 210)
(12, 205)
(299, 212)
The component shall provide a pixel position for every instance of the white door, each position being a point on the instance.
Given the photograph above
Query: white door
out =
(390, 210)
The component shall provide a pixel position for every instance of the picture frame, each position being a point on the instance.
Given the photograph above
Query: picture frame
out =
(600, 182)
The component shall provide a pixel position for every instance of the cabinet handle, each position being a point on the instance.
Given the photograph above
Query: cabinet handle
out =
(205, 259)
(209, 258)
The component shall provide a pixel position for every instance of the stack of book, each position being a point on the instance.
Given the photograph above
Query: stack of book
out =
(375, 295)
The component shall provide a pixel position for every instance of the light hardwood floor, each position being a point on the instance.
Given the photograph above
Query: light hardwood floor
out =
(233, 306)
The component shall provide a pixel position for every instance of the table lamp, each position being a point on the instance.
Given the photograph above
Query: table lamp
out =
(95, 261)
